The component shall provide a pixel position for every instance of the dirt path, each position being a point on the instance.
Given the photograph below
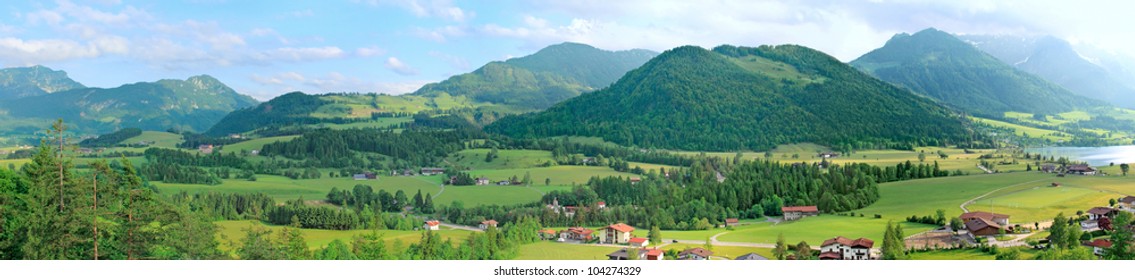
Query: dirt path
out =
(968, 202)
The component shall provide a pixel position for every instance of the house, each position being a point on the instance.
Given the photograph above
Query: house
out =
(635, 180)
(487, 224)
(695, 254)
(601, 205)
(1099, 212)
(547, 234)
(983, 227)
(643, 254)
(1103, 223)
(432, 171)
(638, 242)
(616, 234)
(828, 155)
(1098, 246)
(792, 213)
(365, 176)
(359, 176)
(1082, 169)
(1048, 168)
(205, 149)
(729, 222)
(1000, 219)
(751, 257)
(1127, 203)
(482, 181)
(655, 254)
(432, 225)
(842, 248)
(577, 233)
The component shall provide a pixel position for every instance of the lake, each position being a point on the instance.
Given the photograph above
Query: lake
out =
(1095, 156)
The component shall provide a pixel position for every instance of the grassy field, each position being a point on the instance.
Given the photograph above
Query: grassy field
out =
(923, 197)
(815, 230)
(231, 233)
(257, 144)
(159, 138)
(960, 254)
(692, 234)
(485, 195)
(506, 159)
(283, 188)
(1039, 201)
(548, 250)
(806, 152)
(563, 175)
(650, 166)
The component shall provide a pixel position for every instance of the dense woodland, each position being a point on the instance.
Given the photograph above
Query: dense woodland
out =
(112, 139)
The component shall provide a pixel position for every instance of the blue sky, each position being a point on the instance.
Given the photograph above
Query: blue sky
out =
(267, 48)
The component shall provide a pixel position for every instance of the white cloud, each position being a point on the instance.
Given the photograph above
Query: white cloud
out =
(329, 82)
(396, 65)
(444, 9)
(441, 34)
(369, 51)
(23, 52)
(301, 54)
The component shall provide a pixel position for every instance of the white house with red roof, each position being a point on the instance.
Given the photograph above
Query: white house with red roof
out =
(487, 224)
(616, 234)
(432, 225)
(638, 242)
(842, 248)
(577, 233)
(792, 213)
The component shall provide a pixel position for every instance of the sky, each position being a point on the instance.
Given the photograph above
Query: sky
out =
(268, 48)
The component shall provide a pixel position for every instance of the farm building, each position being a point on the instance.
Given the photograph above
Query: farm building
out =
(616, 234)
(1048, 168)
(577, 233)
(1127, 203)
(432, 171)
(635, 180)
(547, 234)
(482, 181)
(638, 242)
(695, 254)
(1100, 212)
(432, 225)
(655, 254)
(983, 227)
(842, 248)
(731, 222)
(487, 224)
(828, 155)
(751, 257)
(1000, 219)
(792, 213)
(365, 176)
(1082, 169)
(205, 149)
(1098, 246)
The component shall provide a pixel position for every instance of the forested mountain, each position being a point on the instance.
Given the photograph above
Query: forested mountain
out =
(740, 98)
(193, 104)
(33, 81)
(291, 108)
(941, 66)
(1057, 61)
(537, 81)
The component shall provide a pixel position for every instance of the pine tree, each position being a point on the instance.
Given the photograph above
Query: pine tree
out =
(655, 235)
(781, 250)
(1121, 238)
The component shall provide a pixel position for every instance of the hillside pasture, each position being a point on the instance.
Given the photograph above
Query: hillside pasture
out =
(283, 188)
(158, 138)
(815, 230)
(563, 175)
(231, 233)
(506, 159)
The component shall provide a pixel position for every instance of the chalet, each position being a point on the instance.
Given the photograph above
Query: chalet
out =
(731, 222)
(1000, 219)
(643, 254)
(1099, 223)
(1048, 168)
(638, 242)
(828, 155)
(578, 234)
(635, 180)
(1127, 203)
(792, 213)
(487, 224)
(601, 205)
(695, 254)
(205, 149)
(432, 225)
(482, 181)
(1082, 169)
(1099, 212)
(432, 171)
(983, 227)
(751, 257)
(570, 210)
(1098, 246)
(616, 234)
(842, 248)
(547, 234)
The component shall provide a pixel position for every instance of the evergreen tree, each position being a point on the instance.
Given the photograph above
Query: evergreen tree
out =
(803, 251)
(1121, 238)
(655, 235)
(781, 249)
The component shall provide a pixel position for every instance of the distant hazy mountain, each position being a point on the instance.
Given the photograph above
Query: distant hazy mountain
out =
(739, 98)
(192, 104)
(1057, 61)
(946, 68)
(33, 81)
(553, 74)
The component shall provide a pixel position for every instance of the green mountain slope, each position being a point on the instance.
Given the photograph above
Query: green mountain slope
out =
(1057, 61)
(33, 81)
(192, 104)
(553, 74)
(737, 98)
(941, 66)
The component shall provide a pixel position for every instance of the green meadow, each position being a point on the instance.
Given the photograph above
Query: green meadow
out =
(283, 188)
(231, 232)
(550, 250)
(257, 144)
(506, 159)
(563, 175)
(815, 230)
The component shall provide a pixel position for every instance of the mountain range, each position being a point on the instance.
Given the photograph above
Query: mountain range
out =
(740, 98)
(537, 81)
(193, 104)
(943, 67)
(1058, 61)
